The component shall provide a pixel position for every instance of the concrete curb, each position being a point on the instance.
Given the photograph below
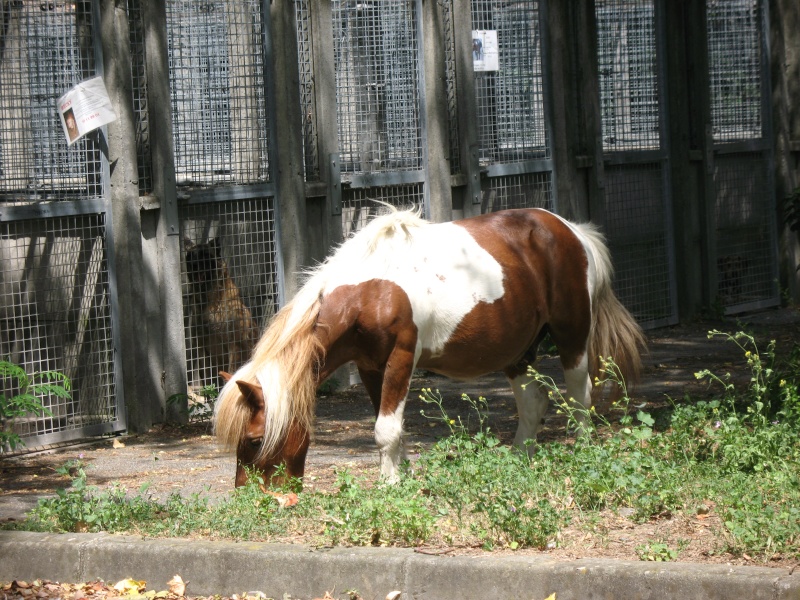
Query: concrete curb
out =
(230, 567)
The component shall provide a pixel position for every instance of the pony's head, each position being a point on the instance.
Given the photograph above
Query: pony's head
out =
(252, 455)
(265, 411)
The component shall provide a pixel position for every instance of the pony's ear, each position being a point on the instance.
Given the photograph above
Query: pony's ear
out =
(226, 377)
(253, 394)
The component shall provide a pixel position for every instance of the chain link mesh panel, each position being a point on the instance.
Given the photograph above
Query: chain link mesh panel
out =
(376, 52)
(734, 56)
(46, 49)
(626, 53)
(744, 231)
(639, 241)
(217, 88)
(55, 315)
(745, 234)
(510, 101)
(531, 190)
(230, 283)
(140, 115)
(637, 223)
(359, 206)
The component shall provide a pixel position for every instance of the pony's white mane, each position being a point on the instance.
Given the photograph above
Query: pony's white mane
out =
(285, 361)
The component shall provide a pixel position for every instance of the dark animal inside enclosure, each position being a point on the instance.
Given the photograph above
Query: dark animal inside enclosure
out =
(224, 324)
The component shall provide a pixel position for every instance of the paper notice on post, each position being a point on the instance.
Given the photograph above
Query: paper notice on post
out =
(485, 51)
(85, 108)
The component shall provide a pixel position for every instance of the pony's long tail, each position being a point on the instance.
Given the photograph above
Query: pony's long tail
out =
(615, 333)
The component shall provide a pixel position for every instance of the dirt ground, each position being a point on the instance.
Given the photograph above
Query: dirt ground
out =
(187, 459)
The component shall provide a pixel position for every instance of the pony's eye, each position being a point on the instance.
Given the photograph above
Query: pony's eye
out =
(255, 442)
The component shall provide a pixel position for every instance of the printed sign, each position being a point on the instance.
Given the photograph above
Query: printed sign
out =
(485, 52)
(85, 108)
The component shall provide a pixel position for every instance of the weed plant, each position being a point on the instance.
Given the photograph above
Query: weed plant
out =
(22, 395)
(739, 452)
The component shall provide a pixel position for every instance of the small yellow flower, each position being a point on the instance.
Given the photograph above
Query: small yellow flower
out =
(783, 383)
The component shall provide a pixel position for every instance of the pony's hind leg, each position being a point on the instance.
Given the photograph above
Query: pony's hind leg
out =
(532, 404)
(579, 390)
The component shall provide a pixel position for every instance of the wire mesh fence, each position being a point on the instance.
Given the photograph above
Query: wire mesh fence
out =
(735, 69)
(55, 301)
(510, 99)
(640, 242)
(745, 237)
(629, 83)
(305, 62)
(46, 49)
(218, 91)
(361, 205)
(140, 96)
(637, 202)
(376, 53)
(531, 190)
(744, 231)
(55, 315)
(230, 284)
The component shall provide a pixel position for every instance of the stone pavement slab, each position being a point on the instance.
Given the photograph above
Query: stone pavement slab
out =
(221, 567)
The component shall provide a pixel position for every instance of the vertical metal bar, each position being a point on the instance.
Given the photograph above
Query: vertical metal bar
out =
(164, 187)
(422, 108)
(335, 184)
(544, 40)
(664, 146)
(272, 145)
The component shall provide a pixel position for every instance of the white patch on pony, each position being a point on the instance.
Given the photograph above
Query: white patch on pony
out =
(389, 439)
(442, 269)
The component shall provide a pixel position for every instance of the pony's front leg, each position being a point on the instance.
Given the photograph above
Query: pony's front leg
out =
(389, 438)
(389, 424)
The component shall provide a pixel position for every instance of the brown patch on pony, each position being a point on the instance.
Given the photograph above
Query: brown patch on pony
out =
(542, 288)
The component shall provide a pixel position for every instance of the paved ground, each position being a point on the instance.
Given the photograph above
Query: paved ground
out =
(278, 571)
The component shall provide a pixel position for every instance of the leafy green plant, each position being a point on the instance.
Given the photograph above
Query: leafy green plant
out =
(656, 551)
(741, 448)
(196, 410)
(26, 400)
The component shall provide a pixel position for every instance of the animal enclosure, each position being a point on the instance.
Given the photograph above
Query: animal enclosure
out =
(252, 137)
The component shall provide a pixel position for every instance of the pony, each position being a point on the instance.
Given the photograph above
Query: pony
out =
(462, 299)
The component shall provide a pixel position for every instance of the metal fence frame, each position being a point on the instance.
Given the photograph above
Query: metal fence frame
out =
(638, 198)
(56, 231)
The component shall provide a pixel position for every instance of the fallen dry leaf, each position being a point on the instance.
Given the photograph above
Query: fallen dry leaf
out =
(130, 586)
(117, 444)
(393, 595)
(177, 586)
(284, 500)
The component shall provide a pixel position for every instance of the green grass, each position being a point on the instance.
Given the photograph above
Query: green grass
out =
(740, 450)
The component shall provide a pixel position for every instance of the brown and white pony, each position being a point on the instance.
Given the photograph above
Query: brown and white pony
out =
(462, 299)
